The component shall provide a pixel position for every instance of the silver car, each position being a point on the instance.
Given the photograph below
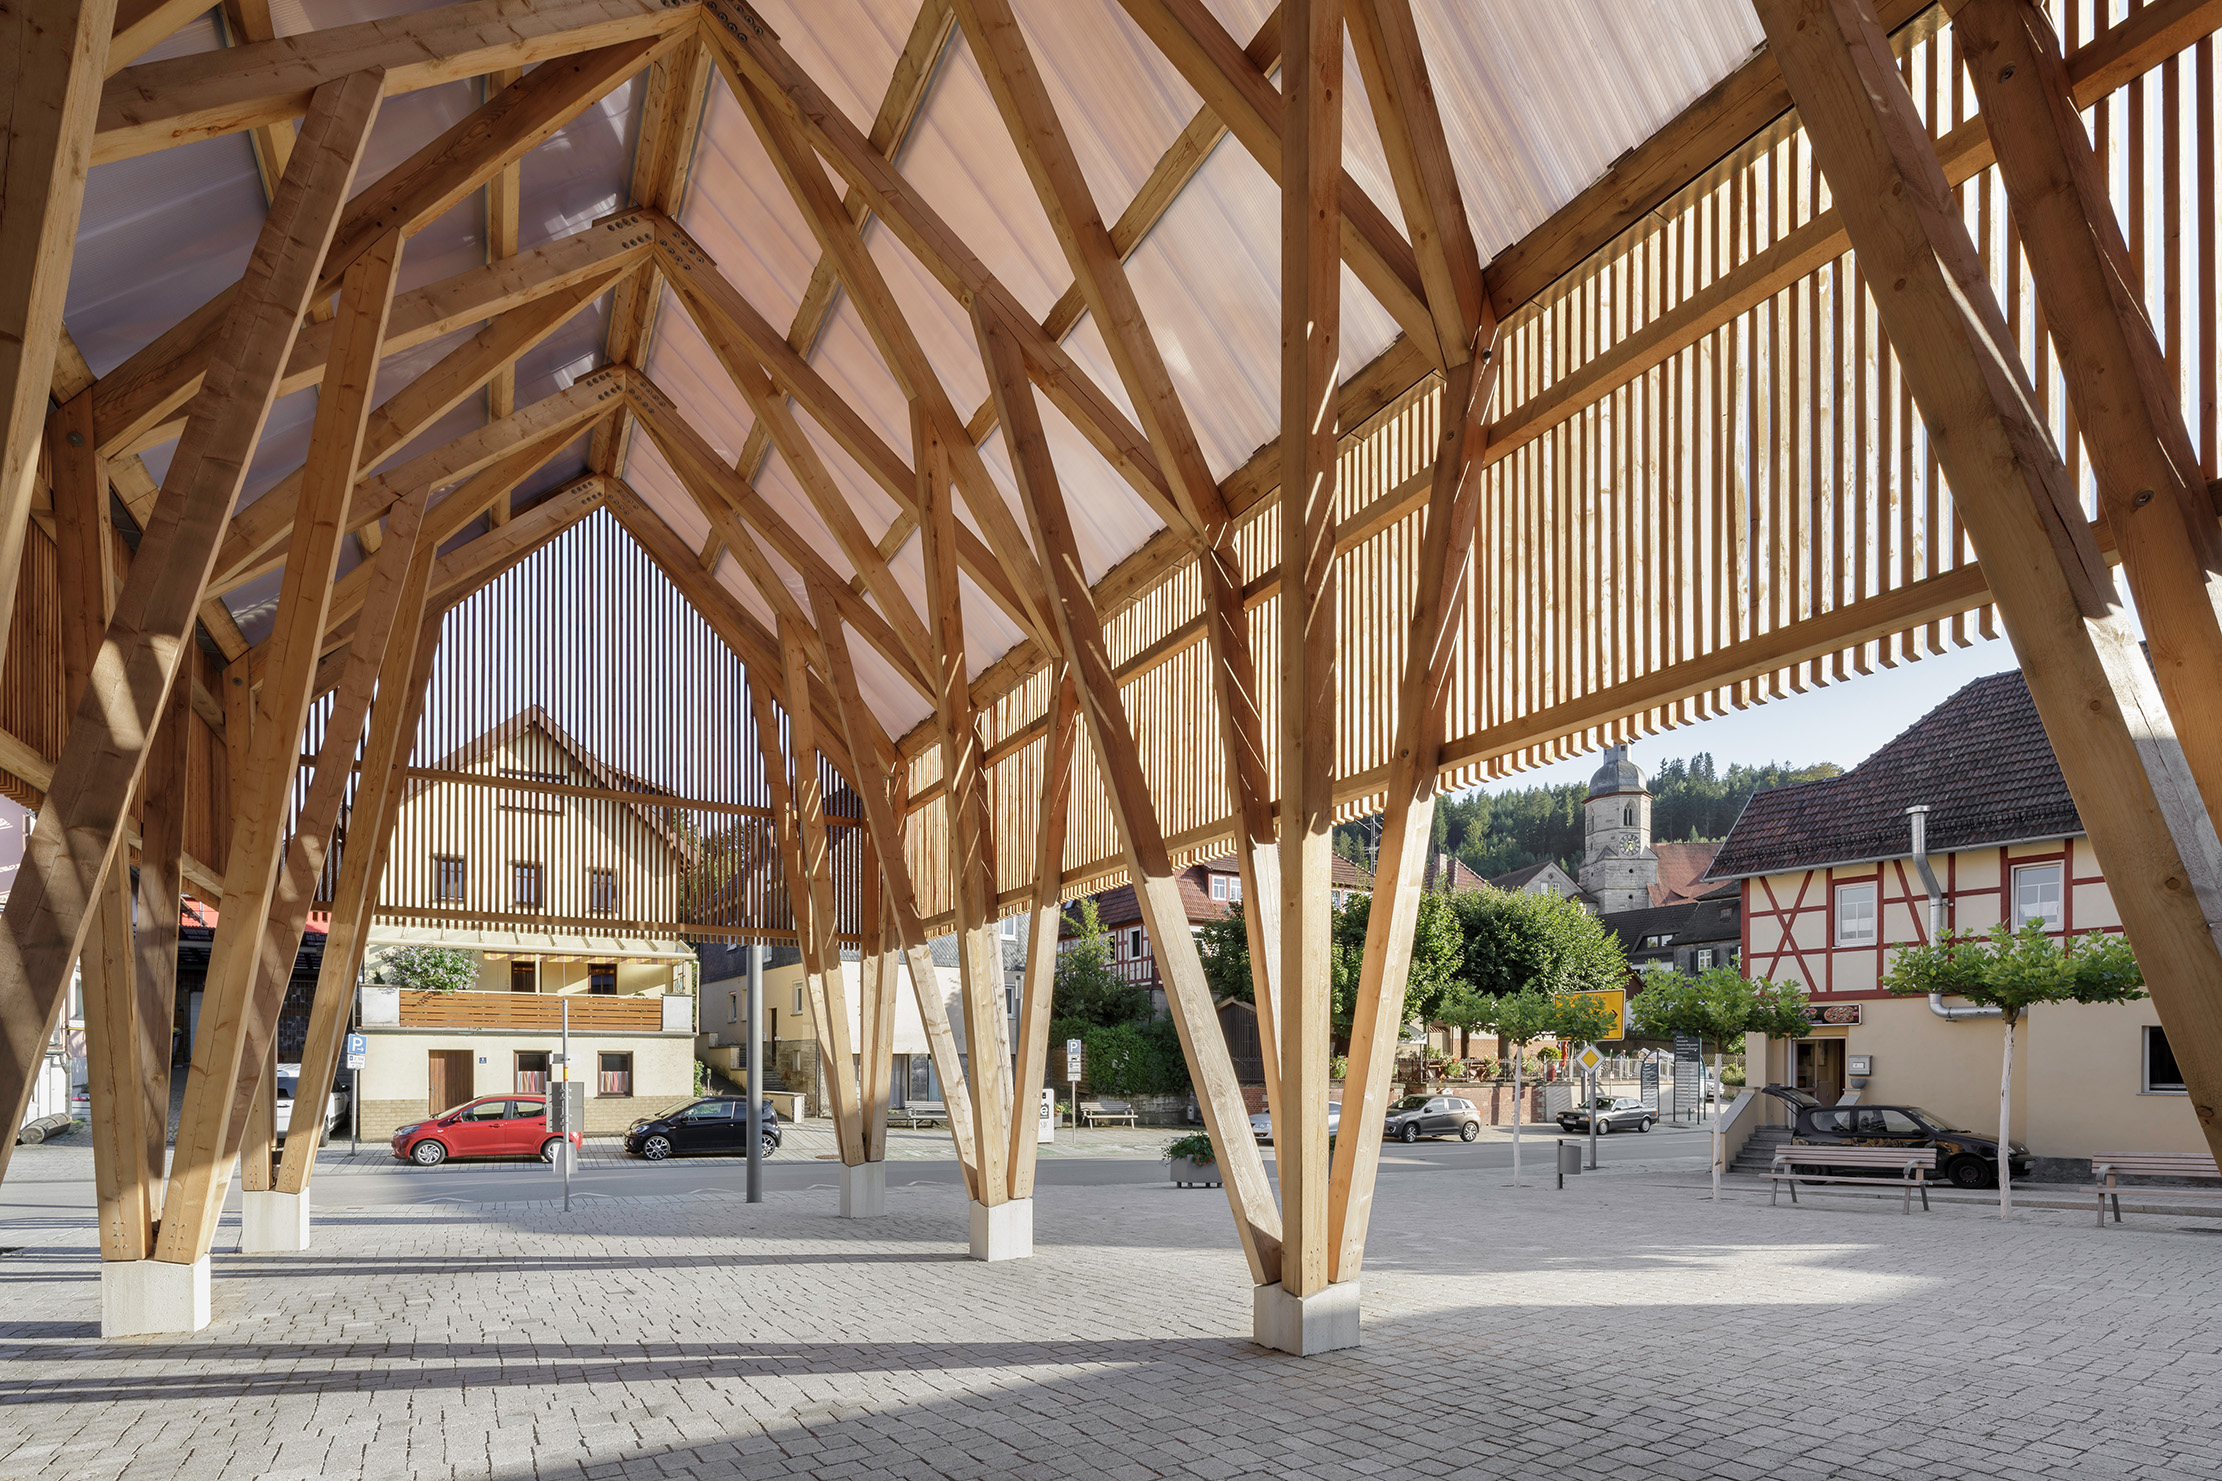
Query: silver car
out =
(1614, 1113)
(1261, 1125)
(1416, 1116)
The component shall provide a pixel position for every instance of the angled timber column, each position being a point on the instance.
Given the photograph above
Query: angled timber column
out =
(86, 574)
(1387, 45)
(2116, 745)
(50, 911)
(876, 1010)
(1199, 510)
(1311, 338)
(163, 799)
(229, 1056)
(404, 677)
(823, 953)
(883, 815)
(970, 834)
(1058, 745)
(53, 56)
(402, 573)
(2151, 488)
(811, 934)
(1127, 790)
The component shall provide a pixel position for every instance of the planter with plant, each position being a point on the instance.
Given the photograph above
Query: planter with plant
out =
(1194, 1164)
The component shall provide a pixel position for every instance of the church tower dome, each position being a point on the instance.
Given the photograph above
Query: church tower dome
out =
(1619, 866)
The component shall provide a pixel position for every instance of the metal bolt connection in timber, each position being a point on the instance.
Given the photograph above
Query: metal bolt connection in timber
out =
(2144, 497)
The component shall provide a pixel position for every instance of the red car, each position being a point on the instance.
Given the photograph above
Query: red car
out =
(494, 1126)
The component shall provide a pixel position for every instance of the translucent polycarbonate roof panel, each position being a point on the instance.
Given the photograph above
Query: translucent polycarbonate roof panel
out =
(739, 211)
(1539, 100)
(659, 487)
(686, 369)
(785, 495)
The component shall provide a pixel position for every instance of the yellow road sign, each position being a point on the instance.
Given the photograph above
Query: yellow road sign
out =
(1614, 1001)
(1589, 1059)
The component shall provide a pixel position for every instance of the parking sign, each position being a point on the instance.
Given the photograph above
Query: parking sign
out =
(358, 1049)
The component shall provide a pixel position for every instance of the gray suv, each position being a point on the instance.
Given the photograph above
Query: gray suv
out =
(1416, 1116)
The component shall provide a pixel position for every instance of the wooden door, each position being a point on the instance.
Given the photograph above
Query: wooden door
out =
(449, 1077)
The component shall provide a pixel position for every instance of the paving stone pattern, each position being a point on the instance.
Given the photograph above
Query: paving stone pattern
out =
(1623, 1328)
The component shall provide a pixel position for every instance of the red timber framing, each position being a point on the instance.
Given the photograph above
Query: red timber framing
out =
(1727, 425)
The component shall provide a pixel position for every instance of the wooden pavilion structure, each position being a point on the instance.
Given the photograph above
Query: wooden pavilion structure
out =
(1602, 365)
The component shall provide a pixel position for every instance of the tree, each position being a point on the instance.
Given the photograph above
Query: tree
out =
(1721, 1005)
(1438, 948)
(1541, 943)
(427, 969)
(1087, 987)
(2013, 971)
(1224, 945)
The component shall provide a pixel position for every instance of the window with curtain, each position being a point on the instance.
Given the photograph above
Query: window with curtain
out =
(616, 1077)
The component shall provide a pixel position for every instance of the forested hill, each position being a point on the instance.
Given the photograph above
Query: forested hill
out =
(1691, 799)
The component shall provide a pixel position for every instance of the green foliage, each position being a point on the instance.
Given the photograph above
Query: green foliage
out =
(1583, 1020)
(428, 969)
(701, 1078)
(1088, 989)
(1720, 1005)
(1438, 948)
(1541, 943)
(2015, 970)
(1196, 1147)
(1338, 1068)
(1224, 944)
(1494, 835)
(1133, 1058)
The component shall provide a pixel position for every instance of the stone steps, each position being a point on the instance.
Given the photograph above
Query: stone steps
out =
(1757, 1155)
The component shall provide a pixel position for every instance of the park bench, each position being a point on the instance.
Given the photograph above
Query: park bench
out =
(1912, 1164)
(2108, 1166)
(1104, 1112)
(920, 1113)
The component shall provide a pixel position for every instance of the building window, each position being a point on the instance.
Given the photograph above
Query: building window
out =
(1010, 928)
(1855, 915)
(601, 979)
(601, 891)
(1234, 889)
(616, 1076)
(732, 1007)
(798, 1001)
(525, 880)
(447, 877)
(1704, 959)
(1137, 944)
(532, 1072)
(524, 975)
(1219, 887)
(2037, 895)
(2162, 1076)
(1339, 897)
(1628, 816)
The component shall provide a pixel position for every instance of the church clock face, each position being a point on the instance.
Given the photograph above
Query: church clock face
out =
(1630, 847)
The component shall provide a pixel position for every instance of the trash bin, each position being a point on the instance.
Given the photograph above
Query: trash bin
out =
(1569, 1159)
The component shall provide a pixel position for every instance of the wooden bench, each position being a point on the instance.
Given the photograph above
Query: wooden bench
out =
(2108, 1166)
(1104, 1112)
(1912, 1164)
(920, 1113)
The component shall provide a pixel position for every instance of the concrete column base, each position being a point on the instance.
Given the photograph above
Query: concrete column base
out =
(1324, 1321)
(1004, 1231)
(141, 1298)
(272, 1223)
(864, 1190)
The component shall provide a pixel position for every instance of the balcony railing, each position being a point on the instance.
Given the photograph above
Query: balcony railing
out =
(531, 1011)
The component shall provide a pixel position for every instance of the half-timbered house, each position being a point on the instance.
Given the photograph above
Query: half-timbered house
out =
(1833, 886)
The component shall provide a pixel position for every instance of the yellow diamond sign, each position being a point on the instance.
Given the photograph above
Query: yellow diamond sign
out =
(1588, 1059)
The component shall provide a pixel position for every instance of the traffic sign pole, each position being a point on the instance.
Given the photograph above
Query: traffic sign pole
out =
(1072, 1077)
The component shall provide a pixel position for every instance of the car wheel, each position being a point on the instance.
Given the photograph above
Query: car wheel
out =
(1469, 1131)
(655, 1148)
(548, 1148)
(771, 1144)
(1644, 1124)
(1968, 1172)
(428, 1153)
(1409, 1134)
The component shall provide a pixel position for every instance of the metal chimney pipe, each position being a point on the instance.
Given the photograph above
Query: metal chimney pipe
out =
(1918, 817)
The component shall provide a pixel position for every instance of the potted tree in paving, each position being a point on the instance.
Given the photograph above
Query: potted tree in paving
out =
(2013, 971)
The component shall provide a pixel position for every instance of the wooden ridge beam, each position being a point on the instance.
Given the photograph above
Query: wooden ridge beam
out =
(157, 105)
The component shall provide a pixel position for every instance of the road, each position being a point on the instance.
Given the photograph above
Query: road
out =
(54, 1182)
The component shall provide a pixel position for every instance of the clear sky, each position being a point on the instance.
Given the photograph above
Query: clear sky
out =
(1843, 723)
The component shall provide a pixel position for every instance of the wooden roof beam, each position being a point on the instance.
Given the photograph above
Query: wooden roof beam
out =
(158, 105)
(1216, 66)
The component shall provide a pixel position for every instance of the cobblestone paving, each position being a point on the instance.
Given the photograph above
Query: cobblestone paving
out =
(1622, 1328)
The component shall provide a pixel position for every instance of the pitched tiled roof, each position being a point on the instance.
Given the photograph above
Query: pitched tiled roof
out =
(1980, 761)
(1713, 919)
(1520, 879)
(1681, 866)
(1118, 907)
(1446, 875)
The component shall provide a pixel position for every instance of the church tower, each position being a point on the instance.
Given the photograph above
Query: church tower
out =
(1618, 864)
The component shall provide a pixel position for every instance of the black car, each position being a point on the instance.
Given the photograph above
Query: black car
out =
(1967, 1159)
(713, 1124)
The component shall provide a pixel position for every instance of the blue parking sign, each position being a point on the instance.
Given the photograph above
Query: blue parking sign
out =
(358, 1049)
